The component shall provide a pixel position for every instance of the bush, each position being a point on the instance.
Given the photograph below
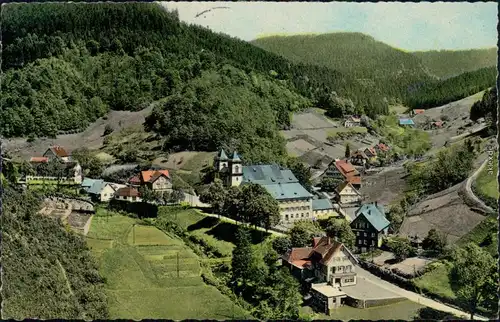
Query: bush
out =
(108, 129)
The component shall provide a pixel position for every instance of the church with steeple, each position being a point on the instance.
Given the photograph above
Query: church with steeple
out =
(230, 170)
(296, 203)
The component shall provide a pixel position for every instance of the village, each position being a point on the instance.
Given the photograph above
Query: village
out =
(327, 268)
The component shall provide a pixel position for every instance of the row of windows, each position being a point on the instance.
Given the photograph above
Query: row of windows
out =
(341, 269)
(361, 225)
(358, 233)
(295, 208)
(365, 242)
(302, 215)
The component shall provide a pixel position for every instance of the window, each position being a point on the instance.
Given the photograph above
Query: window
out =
(364, 242)
(373, 242)
(134, 198)
(360, 242)
(357, 233)
(286, 217)
(365, 234)
(373, 234)
(348, 268)
(302, 215)
(236, 169)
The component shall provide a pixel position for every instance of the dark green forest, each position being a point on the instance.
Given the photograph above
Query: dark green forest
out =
(47, 270)
(402, 77)
(449, 63)
(433, 94)
(68, 64)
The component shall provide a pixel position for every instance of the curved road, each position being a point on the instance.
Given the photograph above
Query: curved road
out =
(469, 182)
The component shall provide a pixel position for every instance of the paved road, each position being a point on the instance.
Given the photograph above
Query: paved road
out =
(471, 179)
(412, 296)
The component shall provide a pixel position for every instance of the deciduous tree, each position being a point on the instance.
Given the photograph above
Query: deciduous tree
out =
(474, 275)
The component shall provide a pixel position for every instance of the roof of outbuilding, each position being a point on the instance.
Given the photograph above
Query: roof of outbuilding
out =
(321, 204)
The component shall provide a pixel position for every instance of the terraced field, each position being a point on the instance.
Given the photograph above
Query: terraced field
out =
(153, 275)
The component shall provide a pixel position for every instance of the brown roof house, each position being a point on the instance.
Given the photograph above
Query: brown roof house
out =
(343, 169)
(57, 152)
(128, 194)
(72, 171)
(156, 180)
(359, 157)
(327, 266)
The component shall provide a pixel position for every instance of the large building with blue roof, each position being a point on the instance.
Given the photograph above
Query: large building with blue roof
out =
(296, 203)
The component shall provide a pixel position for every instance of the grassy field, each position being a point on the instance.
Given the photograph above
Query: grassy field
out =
(437, 281)
(156, 277)
(217, 234)
(405, 310)
(485, 235)
(486, 181)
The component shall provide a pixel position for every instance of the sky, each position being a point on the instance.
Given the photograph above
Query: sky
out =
(407, 26)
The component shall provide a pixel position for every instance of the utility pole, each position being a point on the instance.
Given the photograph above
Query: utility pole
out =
(177, 264)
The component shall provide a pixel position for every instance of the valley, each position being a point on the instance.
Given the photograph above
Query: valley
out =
(155, 168)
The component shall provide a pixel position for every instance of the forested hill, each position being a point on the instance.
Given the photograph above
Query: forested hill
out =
(68, 64)
(356, 54)
(47, 271)
(408, 77)
(449, 63)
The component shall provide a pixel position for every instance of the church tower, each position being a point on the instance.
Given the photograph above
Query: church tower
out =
(236, 170)
(221, 160)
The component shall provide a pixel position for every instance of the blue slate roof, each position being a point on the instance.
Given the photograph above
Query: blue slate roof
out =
(88, 182)
(406, 122)
(322, 204)
(236, 157)
(222, 155)
(97, 187)
(268, 174)
(375, 215)
(279, 182)
(287, 191)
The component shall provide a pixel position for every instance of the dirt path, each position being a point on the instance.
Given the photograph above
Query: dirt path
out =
(412, 296)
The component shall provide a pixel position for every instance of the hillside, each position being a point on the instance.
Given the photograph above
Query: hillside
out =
(68, 64)
(356, 54)
(47, 271)
(401, 76)
(449, 63)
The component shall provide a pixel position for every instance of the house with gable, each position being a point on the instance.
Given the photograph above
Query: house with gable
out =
(57, 152)
(358, 157)
(71, 170)
(353, 120)
(100, 190)
(369, 225)
(327, 267)
(347, 194)
(371, 153)
(344, 170)
(156, 180)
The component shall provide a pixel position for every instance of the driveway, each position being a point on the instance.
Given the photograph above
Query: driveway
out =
(412, 296)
